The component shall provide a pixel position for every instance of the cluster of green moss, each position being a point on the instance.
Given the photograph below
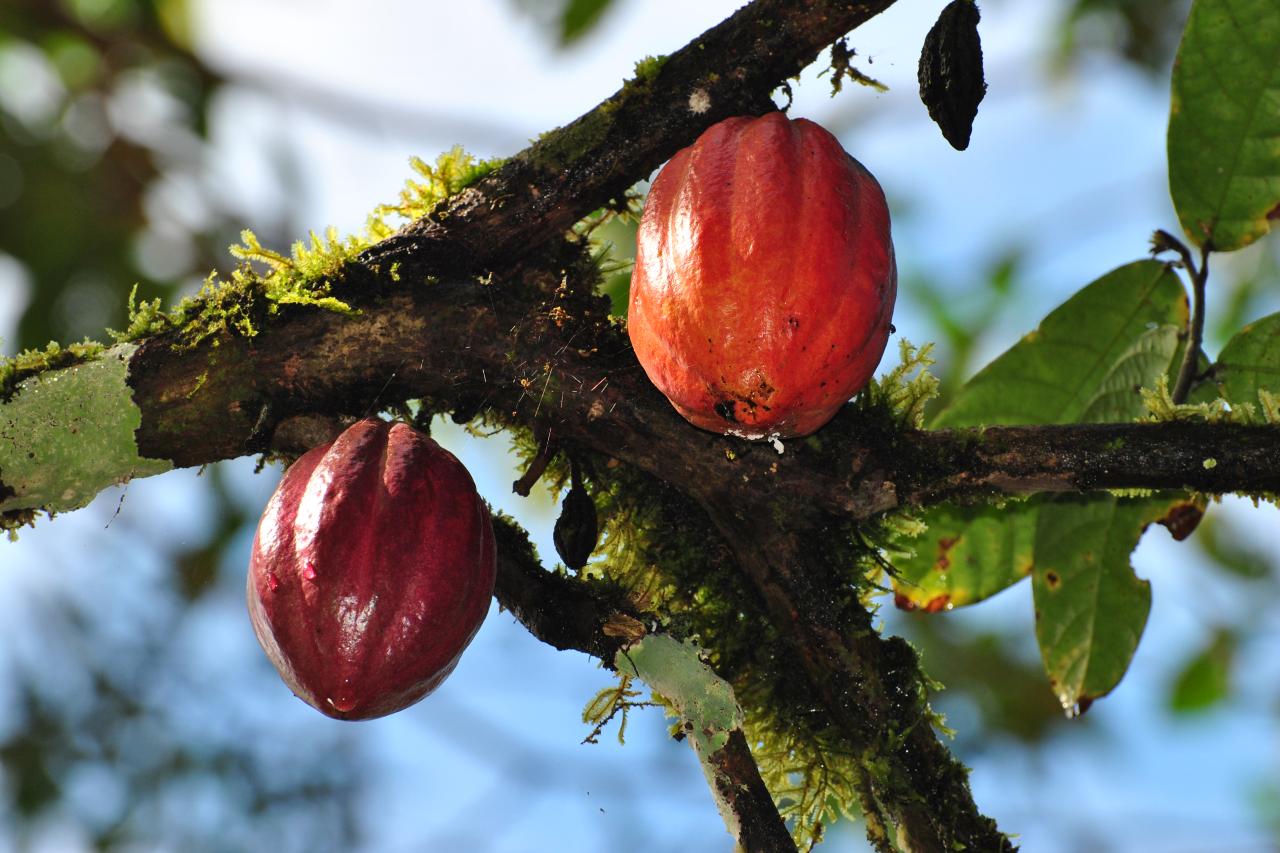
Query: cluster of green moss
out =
(30, 362)
(307, 275)
(266, 279)
(1160, 407)
(648, 68)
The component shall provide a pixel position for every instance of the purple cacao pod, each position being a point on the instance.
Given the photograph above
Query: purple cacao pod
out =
(372, 569)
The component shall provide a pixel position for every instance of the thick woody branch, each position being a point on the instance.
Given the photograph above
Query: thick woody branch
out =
(870, 687)
(538, 194)
(592, 618)
(452, 344)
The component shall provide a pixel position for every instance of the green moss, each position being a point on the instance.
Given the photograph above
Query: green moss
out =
(12, 521)
(200, 381)
(648, 68)
(907, 388)
(453, 171)
(53, 357)
(841, 68)
(1160, 407)
(266, 279)
(558, 148)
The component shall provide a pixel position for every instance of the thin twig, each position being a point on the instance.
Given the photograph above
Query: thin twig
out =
(537, 466)
(1163, 241)
(1191, 358)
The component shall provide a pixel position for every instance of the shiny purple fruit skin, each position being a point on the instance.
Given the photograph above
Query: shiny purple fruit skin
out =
(372, 569)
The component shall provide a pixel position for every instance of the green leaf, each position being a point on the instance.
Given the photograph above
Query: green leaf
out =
(1090, 607)
(579, 17)
(968, 553)
(1119, 396)
(1224, 122)
(1205, 679)
(971, 553)
(1053, 374)
(1251, 360)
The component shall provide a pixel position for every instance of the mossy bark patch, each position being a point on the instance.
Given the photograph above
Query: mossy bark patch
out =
(67, 434)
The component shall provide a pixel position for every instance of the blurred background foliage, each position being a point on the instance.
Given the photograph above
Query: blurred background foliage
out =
(105, 124)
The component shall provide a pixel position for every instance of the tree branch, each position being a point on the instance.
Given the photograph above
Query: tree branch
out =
(204, 404)
(729, 70)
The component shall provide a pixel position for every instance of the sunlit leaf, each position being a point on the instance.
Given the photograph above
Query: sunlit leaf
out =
(1224, 122)
(1053, 373)
(968, 553)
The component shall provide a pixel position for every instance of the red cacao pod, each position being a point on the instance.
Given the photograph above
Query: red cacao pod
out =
(372, 569)
(764, 279)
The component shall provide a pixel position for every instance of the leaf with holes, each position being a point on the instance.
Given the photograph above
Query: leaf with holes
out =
(971, 553)
(1053, 374)
(968, 553)
(1090, 606)
(1224, 122)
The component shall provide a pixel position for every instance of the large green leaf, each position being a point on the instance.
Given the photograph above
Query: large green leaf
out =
(1251, 360)
(1053, 374)
(1086, 362)
(1090, 606)
(968, 553)
(1224, 122)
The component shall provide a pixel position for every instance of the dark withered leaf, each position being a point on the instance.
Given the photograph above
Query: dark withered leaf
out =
(951, 82)
(577, 529)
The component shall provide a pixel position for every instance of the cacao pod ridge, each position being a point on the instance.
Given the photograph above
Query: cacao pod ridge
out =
(764, 279)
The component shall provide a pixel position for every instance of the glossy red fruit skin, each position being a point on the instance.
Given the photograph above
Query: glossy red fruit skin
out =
(764, 279)
(372, 569)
